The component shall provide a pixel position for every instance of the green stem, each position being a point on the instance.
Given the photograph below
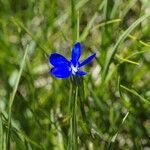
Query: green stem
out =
(12, 97)
(1, 131)
(73, 144)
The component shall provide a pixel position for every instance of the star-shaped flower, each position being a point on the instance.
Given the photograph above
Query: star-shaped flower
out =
(64, 68)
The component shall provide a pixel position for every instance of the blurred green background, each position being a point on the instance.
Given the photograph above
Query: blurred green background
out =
(116, 100)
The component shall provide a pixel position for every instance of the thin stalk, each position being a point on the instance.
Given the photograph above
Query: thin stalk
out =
(70, 96)
(18, 23)
(78, 26)
(73, 144)
(12, 97)
(73, 21)
(74, 120)
(1, 132)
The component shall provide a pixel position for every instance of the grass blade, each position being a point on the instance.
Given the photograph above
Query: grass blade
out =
(140, 41)
(127, 60)
(73, 21)
(89, 25)
(113, 139)
(120, 40)
(1, 132)
(22, 26)
(135, 93)
(78, 26)
(12, 97)
(64, 17)
(123, 120)
(109, 22)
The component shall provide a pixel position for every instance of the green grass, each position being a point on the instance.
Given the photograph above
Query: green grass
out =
(112, 101)
(12, 97)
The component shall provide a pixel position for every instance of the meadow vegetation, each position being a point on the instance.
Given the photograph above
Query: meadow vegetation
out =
(114, 101)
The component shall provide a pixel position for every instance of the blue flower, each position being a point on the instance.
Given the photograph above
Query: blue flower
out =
(63, 68)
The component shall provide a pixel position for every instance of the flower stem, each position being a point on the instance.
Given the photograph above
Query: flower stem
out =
(73, 144)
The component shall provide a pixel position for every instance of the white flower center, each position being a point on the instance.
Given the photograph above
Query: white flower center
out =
(74, 69)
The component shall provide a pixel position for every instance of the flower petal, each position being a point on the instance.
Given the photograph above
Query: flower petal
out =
(76, 53)
(81, 73)
(61, 72)
(87, 60)
(58, 60)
